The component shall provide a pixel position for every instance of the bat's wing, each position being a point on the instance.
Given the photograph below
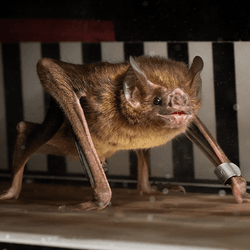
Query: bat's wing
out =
(63, 81)
(226, 171)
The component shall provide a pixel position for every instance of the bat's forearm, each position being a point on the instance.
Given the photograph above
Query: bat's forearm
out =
(54, 78)
(227, 172)
(199, 134)
(211, 141)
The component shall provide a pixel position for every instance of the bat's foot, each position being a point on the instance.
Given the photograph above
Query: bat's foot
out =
(238, 186)
(165, 188)
(148, 189)
(145, 189)
(101, 200)
(10, 193)
(86, 206)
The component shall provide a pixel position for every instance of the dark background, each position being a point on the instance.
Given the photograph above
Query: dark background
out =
(149, 20)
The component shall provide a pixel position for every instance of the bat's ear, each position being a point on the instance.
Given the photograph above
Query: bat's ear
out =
(194, 75)
(134, 84)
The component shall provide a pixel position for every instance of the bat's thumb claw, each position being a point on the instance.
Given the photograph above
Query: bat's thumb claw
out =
(182, 189)
(62, 208)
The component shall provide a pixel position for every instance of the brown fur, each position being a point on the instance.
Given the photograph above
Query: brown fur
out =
(113, 123)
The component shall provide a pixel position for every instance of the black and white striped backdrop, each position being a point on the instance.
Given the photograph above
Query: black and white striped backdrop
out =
(225, 111)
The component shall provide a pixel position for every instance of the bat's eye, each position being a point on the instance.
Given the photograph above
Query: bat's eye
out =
(157, 101)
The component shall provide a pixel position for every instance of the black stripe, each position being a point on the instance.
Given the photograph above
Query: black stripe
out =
(182, 147)
(225, 98)
(91, 52)
(13, 91)
(56, 164)
(50, 50)
(16, 246)
(147, 20)
(135, 50)
(178, 52)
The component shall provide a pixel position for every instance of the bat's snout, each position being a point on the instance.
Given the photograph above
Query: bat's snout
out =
(179, 105)
(178, 99)
(178, 110)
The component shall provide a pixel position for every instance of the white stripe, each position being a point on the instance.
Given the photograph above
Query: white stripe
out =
(160, 157)
(84, 243)
(242, 69)
(203, 167)
(112, 52)
(33, 97)
(118, 164)
(72, 52)
(155, 49)
(3, 132)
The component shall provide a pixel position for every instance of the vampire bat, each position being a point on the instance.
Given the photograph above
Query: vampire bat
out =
(100, 108)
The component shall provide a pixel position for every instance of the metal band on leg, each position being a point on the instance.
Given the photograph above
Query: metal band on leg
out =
(225, 171)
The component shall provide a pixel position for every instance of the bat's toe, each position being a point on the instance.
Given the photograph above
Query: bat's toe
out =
(82, 207)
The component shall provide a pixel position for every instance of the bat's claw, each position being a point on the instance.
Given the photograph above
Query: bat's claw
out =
(238, 186)
(105, 166)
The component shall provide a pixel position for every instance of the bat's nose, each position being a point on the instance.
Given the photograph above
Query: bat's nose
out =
(178, 99)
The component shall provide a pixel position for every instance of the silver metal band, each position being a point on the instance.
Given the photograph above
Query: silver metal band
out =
(225, 171)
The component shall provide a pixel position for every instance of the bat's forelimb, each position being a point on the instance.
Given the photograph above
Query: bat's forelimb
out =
(226, 171)
(55, 78)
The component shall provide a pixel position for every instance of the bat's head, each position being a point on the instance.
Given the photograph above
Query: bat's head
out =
(162, 92)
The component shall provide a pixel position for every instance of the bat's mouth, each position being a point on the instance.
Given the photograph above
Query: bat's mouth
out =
(179, 113)
(177, 119)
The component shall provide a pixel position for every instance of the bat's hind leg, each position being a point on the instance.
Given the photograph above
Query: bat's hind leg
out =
(30, 137)
(143, 185)
(21, 154)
